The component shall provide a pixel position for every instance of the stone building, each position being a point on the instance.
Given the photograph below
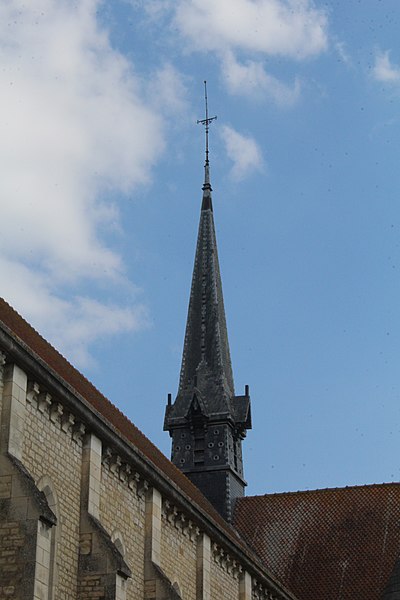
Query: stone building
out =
(90, 509)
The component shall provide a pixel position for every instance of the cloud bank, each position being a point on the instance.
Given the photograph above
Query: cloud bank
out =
(244, 33)
(73, 128)
(292, 28)
(250, 79)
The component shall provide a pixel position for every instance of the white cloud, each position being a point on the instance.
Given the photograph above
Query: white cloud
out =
(292, 28)
(243, 151)
(73, 322)
(384, 70)
(250, 79)
(242, 35)
(167, 90)
(253, 30)
(73, 127)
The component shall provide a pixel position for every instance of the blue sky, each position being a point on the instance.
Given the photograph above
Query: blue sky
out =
(100, 198)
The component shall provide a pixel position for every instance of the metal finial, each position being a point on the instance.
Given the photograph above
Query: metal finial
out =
(206, 122)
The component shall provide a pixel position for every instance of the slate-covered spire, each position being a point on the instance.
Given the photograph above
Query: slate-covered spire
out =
(206, 346)
(207, 421)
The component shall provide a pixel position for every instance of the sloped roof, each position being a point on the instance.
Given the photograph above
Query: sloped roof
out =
(206, 357)
(27, 337)
(206, 370)
(330, 544)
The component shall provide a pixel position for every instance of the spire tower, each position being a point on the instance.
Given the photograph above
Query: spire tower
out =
(207, 421)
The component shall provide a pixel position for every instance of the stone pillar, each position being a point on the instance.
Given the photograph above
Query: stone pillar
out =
(245, 586)
(120, 588)
(203, 573)
(43, 558)
(91, 474)
(102, 571)
(13, 411)
(153, 528)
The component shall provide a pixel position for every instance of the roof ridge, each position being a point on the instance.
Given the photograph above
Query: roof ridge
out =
(36, 332)
(322, 490)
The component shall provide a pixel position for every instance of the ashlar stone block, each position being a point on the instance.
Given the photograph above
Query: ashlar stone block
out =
(13, 412)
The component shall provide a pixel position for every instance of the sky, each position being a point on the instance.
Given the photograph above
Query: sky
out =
(100, 193)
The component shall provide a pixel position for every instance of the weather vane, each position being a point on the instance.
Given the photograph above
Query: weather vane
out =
(206, 122)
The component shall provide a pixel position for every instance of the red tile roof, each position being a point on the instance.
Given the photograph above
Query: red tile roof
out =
(332, 544)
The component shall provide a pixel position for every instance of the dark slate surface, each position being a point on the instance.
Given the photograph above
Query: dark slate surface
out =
(206, 363)
(206, 339)
(207, 422)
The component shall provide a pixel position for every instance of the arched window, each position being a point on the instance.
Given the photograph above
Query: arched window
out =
(120, 582)
(48, 537)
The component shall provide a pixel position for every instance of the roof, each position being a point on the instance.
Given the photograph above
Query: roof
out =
(330, 544)
(26, 336)
(206, 372)
(206, 338)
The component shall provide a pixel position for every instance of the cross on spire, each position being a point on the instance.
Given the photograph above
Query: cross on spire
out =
(206, 122)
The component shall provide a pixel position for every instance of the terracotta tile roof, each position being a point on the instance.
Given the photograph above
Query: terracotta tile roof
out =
(26, 335)
(332, 544)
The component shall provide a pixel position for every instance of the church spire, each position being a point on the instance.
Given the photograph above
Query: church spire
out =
(207, 421)
(206, 339)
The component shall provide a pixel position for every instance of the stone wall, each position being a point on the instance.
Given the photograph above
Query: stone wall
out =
(12, 541)
(179, 553)
(225, 575)
(52, 449)
(122, 512)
